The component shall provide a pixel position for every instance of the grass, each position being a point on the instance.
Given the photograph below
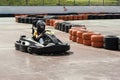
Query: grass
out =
(56, 2)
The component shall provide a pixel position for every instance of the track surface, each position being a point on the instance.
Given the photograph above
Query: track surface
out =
(81, 62)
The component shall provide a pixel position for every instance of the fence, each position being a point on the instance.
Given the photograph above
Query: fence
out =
(59, 2)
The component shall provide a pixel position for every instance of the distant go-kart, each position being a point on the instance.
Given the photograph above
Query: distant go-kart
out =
(51, 44)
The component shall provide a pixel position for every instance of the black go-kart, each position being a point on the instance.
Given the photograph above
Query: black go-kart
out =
(51, 44)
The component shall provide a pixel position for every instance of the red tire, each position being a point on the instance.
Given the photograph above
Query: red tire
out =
(70, 37)
(97, 38)
(47, 22)
(79, 40)
(79, 34)
(70, 31)
(70, 17)
(80, 17)
(74, 32)
(75, 17)
(74, 38)
(87, 36)
(97, 44)
(87, 42)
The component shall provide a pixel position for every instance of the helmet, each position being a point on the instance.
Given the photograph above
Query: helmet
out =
(40, 23)
(40, 26)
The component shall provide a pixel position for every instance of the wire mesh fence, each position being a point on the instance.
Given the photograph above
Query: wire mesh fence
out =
(59, 2)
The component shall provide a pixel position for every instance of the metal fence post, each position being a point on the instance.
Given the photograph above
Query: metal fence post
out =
(89, 2)
(27, 2)
(74, 2)
(118, 2)
(43, 2)
(59, 2)
(103, 2)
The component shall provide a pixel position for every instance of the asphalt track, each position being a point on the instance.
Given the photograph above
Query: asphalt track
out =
(80, 63)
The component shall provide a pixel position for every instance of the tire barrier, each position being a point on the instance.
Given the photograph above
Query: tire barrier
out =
(76, 33)
(86, 16)
(55, 24)
(96, 40)
(80, 17)
(65, 26)
(104, 16)
(87, 38)
(111, 42)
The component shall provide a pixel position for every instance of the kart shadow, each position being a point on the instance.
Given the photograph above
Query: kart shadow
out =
(56, 54)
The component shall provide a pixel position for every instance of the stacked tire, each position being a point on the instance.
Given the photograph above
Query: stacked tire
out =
(79, 35)
(87, 38)
(119, 42)
(76, 34)
(111, 42)
(97, 41)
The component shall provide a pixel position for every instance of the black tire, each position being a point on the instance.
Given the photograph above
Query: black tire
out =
(67, 27)
(29, 49)
(23, 48)
(30, 20)
(111, 42)
(119, 42)
(17, 45)
(19, 20)
(27, 19)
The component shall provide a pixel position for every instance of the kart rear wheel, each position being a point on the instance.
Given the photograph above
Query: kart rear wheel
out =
(29, 49)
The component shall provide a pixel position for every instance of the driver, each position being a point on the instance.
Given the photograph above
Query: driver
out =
(39, 31)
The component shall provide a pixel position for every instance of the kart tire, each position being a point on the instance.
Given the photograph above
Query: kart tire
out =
(17, 45)
(111, 42)
(30, 50)
(23, 48)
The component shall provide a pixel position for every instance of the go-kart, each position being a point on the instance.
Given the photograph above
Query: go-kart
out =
(51, 44)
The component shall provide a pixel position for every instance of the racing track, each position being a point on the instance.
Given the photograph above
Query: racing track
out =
(82, 62)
